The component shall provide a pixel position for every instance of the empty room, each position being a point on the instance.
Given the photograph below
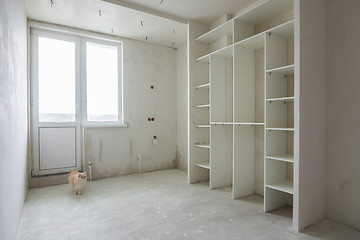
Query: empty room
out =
(179, 119)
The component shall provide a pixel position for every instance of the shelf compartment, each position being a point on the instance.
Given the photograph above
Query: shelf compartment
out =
(202, 146)
(280, 146)
(279, 86)
(203, 165)
(275, 199)
(254, 42)
(203, 106)
(203, 86)
(283, 186)
(203, 126)
(284, 70)
(280, 115)
(286, 157)
(225, 29)
(285, 30)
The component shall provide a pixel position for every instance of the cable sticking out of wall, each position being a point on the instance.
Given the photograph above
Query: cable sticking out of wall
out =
(146, 38)
(52, 3)
(100, 13)
(142, 23)
(161, 1)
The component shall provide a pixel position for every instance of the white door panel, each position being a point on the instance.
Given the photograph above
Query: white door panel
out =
(57, 148)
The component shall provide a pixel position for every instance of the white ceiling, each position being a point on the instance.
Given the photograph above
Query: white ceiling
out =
(163, 21)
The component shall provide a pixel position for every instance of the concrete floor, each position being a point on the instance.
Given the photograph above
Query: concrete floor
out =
(159, 205)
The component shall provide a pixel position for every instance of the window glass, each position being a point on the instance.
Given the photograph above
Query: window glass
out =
(56, 73)
(102, 82)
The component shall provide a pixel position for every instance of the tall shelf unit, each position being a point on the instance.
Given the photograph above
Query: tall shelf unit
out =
(260, 64)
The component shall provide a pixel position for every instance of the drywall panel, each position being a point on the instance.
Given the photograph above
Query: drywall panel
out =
(343, 130)
(310, 112)
(13, 116)
(120, 151)
(181, 107)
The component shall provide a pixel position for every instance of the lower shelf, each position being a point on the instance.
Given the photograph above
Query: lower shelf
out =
(203, 165)
(283, 186)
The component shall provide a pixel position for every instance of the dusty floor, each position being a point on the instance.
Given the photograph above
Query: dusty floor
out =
(159, 205)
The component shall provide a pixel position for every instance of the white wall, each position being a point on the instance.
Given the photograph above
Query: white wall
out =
(310, 111)
(144, 65)
(13, 116)
(343, 131)
(115, 151)
(182, 106)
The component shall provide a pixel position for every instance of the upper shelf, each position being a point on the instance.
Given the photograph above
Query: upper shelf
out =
(226, 52)
(254, 42)
(261, 13)
(266, 11)
(225, 29)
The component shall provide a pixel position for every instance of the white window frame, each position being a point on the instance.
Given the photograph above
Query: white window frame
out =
(45, 29)
(85, 122)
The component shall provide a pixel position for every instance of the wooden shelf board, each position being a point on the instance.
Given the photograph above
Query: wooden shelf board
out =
(206, 85)
(285, 30)
(283, 186)
(202, 146)
(203, 106)
(224, 29)
(221, 123)
(203, 165)
(224, 52)
(203, 126)
(282, 157)
(280, 99)
(286, 70)
(280, 129)
(205, 58)
(250, 123)
(254, 42)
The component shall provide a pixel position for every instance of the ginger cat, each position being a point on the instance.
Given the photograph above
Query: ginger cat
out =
(77, 180)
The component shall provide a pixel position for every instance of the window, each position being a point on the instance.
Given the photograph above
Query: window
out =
(102, 82)
(76, 79)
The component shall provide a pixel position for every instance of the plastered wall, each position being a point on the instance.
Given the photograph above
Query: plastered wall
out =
(13, 116)
(115, 151)
(343, 115)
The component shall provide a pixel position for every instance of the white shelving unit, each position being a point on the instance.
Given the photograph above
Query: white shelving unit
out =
(279, 124)
(250, 59)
